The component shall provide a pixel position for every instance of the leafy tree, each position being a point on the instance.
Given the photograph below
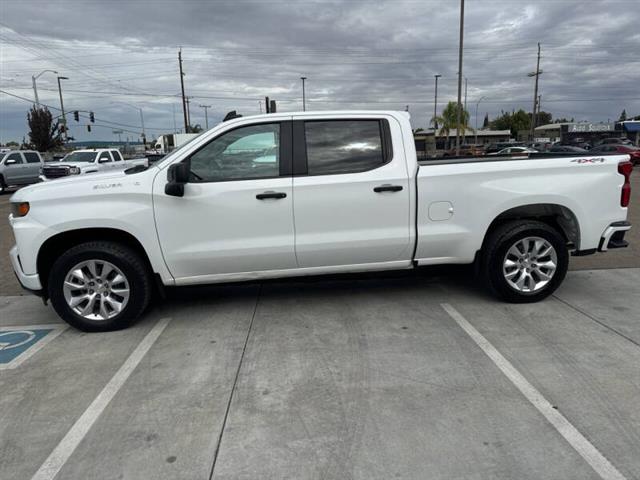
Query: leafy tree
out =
(543, 118)
(197, 128)
(563, 120)
(12, 144)
(514, 121)
(44, 134)
(485, 124)
(449, 120)
(623, 116)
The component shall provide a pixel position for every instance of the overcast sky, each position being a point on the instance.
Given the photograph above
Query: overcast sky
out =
(357, 54)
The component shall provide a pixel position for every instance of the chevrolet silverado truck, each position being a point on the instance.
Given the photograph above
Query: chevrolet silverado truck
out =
(82, 162)
(285, 195)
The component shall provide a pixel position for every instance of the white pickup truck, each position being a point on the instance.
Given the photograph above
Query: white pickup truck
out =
(285, 195)
(82, 162)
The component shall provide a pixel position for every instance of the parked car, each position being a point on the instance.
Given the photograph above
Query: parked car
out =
(19, 167)
(496, 147)
(221, 209)
(633, 152)
(567, 149)
(614, 141)
(540, 146)
(514, 150)
(466, 151)
(81, 162)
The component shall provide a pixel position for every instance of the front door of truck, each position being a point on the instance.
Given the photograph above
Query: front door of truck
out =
(351, 193)
(236, 215)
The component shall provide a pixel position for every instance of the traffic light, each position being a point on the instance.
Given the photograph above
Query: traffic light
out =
(76, 115)
(88, 128)
(92, 118)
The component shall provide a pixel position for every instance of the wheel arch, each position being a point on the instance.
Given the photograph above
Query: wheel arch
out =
(54, 246)
(557, 216)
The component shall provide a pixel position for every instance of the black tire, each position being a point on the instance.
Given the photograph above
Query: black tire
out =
(3, 186)
(501, 240)
(124, 258)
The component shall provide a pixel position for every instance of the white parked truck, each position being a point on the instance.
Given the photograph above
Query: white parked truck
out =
(167, 143)
(82, 162)
(284, 195)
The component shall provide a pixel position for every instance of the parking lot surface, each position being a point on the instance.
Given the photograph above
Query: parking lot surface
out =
(333, 379)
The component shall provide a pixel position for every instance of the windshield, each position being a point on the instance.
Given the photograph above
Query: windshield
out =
(85, 157)
(173, 152)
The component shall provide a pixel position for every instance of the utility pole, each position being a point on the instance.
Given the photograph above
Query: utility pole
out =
(188, 114)
(435, 104)
(206, 116)
(461, 48)
(464, 134)
(539, 109)
(64, 118)
(536, 74)
(477, 105)
(304, 99)
(184, 102)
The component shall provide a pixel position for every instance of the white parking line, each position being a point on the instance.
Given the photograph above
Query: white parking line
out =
(79, 430)
(598, 462)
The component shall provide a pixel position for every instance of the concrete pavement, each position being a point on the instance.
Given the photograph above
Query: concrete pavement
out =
(365, 378)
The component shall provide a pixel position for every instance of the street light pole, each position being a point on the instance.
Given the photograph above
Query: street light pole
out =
(144, 134)
(461, 48)
(35, 89)
(304, 99)
(477, 105)
(206, 116)
(64, 118)
(435, 104)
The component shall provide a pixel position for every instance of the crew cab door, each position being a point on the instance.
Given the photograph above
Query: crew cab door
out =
(33, 164)
(236, 215)
(351, 192)
(14, 169)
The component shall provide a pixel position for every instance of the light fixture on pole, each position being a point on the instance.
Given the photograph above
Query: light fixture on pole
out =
(64, 118)
(35, 89)
(304, 99)
(477, 105)
(435, 104)
(144, 134)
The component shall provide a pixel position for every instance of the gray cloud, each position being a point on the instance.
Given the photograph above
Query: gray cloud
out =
(356, 54)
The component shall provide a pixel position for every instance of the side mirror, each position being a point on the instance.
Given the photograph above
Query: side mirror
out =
(177, 176)
(11, 161)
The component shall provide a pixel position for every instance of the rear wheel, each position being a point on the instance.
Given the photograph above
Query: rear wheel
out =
(3, 186)
(524, 261)
(99, 286)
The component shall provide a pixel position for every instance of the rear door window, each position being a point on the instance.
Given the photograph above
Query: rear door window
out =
(343, 146)
(32, 157)
(117, 157)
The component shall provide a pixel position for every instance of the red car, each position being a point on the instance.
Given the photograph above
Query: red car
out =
(633, 152)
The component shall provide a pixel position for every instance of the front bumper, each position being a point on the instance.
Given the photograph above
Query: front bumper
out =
(613, 236)
(28, 282)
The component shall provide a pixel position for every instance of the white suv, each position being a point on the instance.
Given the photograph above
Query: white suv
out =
(19, 167)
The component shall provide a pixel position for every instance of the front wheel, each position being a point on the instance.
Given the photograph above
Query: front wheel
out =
(99, 286)
(524, 261)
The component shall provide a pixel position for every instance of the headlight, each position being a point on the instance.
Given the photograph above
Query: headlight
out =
(74, 170)
(19, 209)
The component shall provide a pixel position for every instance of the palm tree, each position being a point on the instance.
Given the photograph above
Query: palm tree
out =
(449, 120)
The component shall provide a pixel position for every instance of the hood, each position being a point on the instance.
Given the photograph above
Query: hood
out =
(58, 186)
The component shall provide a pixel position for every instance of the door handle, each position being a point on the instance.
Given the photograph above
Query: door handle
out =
(387, 188)
(267, 195)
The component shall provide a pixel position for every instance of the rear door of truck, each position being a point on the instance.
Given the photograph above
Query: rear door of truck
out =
(351, 191)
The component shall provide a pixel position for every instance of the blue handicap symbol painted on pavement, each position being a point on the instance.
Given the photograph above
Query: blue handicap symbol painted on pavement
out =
(14, 343)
